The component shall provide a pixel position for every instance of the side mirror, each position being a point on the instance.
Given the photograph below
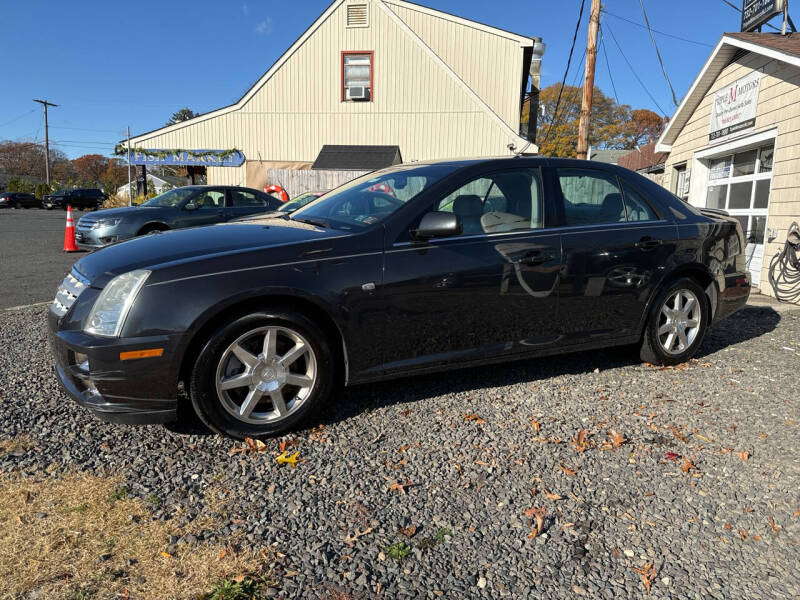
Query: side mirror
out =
(438, 224)
(191, 205)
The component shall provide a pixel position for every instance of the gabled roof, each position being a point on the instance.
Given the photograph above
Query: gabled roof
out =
(357, 158)
(524, 41)
(606, 156)
(785, 48)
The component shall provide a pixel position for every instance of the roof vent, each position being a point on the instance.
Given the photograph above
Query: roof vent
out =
(357, 15)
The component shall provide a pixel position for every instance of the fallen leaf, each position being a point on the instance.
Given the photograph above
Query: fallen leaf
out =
(775, 528)
(579, 441)
(796, 513)
(400, 487)
(727, 525)
(743, 455)
(688, 465)
(757, 538)
(566, 470)
(538, 515)
(222, 553)
(350, 539)
(406, 412)
(535, 424)
(408, 531)
(552, 496)
(166, 555)
(648, 573)
(617, 439)
(677, 433)
(291, 460)
(472, 417)
(671, 456)
(743, 533)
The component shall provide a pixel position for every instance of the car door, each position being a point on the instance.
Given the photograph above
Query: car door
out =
(490, 291)
(210, 208)
(244, 202)
(28, 200)
(616, 247)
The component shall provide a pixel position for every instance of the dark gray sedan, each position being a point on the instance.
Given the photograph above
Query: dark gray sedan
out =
(188, 206)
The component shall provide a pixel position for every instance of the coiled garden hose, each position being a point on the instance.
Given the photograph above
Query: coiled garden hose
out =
(784, 268)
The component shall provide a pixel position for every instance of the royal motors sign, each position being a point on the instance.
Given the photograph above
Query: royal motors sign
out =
(192, 158)
(757, 12)
(735, 106)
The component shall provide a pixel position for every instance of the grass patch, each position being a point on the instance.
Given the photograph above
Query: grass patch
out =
(64, 539)
(21, 442)
(154, 499)
(118, 493)
(397, 551)
(430, 542)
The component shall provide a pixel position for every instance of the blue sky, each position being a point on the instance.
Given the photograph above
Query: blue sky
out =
(113, 64)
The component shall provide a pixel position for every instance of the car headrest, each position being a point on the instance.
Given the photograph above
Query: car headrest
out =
(468, 205)
(611, 208)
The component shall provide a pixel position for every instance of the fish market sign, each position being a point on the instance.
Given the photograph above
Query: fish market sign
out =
(202, 158)
(734, 107)
(757, 12)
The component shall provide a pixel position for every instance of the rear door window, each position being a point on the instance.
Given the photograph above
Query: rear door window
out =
(590, 197)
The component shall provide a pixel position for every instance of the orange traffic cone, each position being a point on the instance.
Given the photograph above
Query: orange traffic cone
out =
(69, 233)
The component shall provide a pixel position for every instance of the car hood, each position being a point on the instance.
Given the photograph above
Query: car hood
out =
(185, 245)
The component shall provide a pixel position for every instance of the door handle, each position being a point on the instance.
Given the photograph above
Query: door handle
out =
(648, 243)
(536, 257)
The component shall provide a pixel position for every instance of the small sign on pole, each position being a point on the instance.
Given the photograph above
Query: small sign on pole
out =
(757, 12)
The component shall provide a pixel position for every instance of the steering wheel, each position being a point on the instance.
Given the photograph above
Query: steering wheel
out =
(388, 197)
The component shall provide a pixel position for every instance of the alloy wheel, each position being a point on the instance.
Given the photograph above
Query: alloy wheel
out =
(679, 321)
(266, 375)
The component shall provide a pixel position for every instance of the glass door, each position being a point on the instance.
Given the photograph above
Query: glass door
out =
(740, 184)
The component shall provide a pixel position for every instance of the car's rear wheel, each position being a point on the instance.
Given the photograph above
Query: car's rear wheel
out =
(261, 374)
(677, 324)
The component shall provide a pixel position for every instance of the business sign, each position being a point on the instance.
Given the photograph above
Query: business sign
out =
(734, 107)
(757, 12)
(191, 158)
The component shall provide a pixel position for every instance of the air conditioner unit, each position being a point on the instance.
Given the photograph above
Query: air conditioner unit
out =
(357, 92)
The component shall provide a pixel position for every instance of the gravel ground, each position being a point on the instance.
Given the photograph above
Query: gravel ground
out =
(33, 263)
(471, 479)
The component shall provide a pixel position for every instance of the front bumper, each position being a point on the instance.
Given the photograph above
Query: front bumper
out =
(139, 391)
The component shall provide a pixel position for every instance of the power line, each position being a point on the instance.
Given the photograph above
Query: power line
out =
(566, 71)
(608, 63)
(18, 118)
(676, 37)
(630, 66)
(739, 10)
(658, 54)
(114, 131)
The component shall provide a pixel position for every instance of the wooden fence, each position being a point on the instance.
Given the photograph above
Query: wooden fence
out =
(296, 181)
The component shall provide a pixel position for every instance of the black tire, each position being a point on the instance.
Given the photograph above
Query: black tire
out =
(152, 228)
(18, 205)
(652, 347)
(206, 400)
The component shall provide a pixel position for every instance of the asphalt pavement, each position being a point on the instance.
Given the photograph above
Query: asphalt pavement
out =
(32, 262)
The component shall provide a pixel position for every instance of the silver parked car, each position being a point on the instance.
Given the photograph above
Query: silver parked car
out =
(182, 207)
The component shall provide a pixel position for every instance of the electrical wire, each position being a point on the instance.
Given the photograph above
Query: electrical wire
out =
(608, 64)
(566, 72)
(739, 10)
(658, 54)
(664, 33)
(114, 131)
(574, 81)
(15, 119)
(635, 74)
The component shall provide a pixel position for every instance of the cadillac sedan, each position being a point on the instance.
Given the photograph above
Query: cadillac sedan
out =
(460, 263)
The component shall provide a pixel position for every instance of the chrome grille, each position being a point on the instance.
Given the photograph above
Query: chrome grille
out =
(86, 223)
(68, 293)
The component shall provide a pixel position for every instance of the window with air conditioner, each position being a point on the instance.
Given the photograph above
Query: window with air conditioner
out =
(357, 72)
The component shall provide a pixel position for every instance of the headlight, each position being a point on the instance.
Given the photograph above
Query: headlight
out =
(112, 305)
(106, 223)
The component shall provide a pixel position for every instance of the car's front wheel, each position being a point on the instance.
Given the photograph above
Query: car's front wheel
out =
(677, 324)
(261, 374)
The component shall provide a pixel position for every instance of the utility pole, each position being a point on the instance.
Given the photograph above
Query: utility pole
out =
(45, 103)
(588, 81)
(130, 191)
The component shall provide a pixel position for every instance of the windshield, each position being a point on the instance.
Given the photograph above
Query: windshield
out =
(171, 198)
(299, 202)
(372, 198)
